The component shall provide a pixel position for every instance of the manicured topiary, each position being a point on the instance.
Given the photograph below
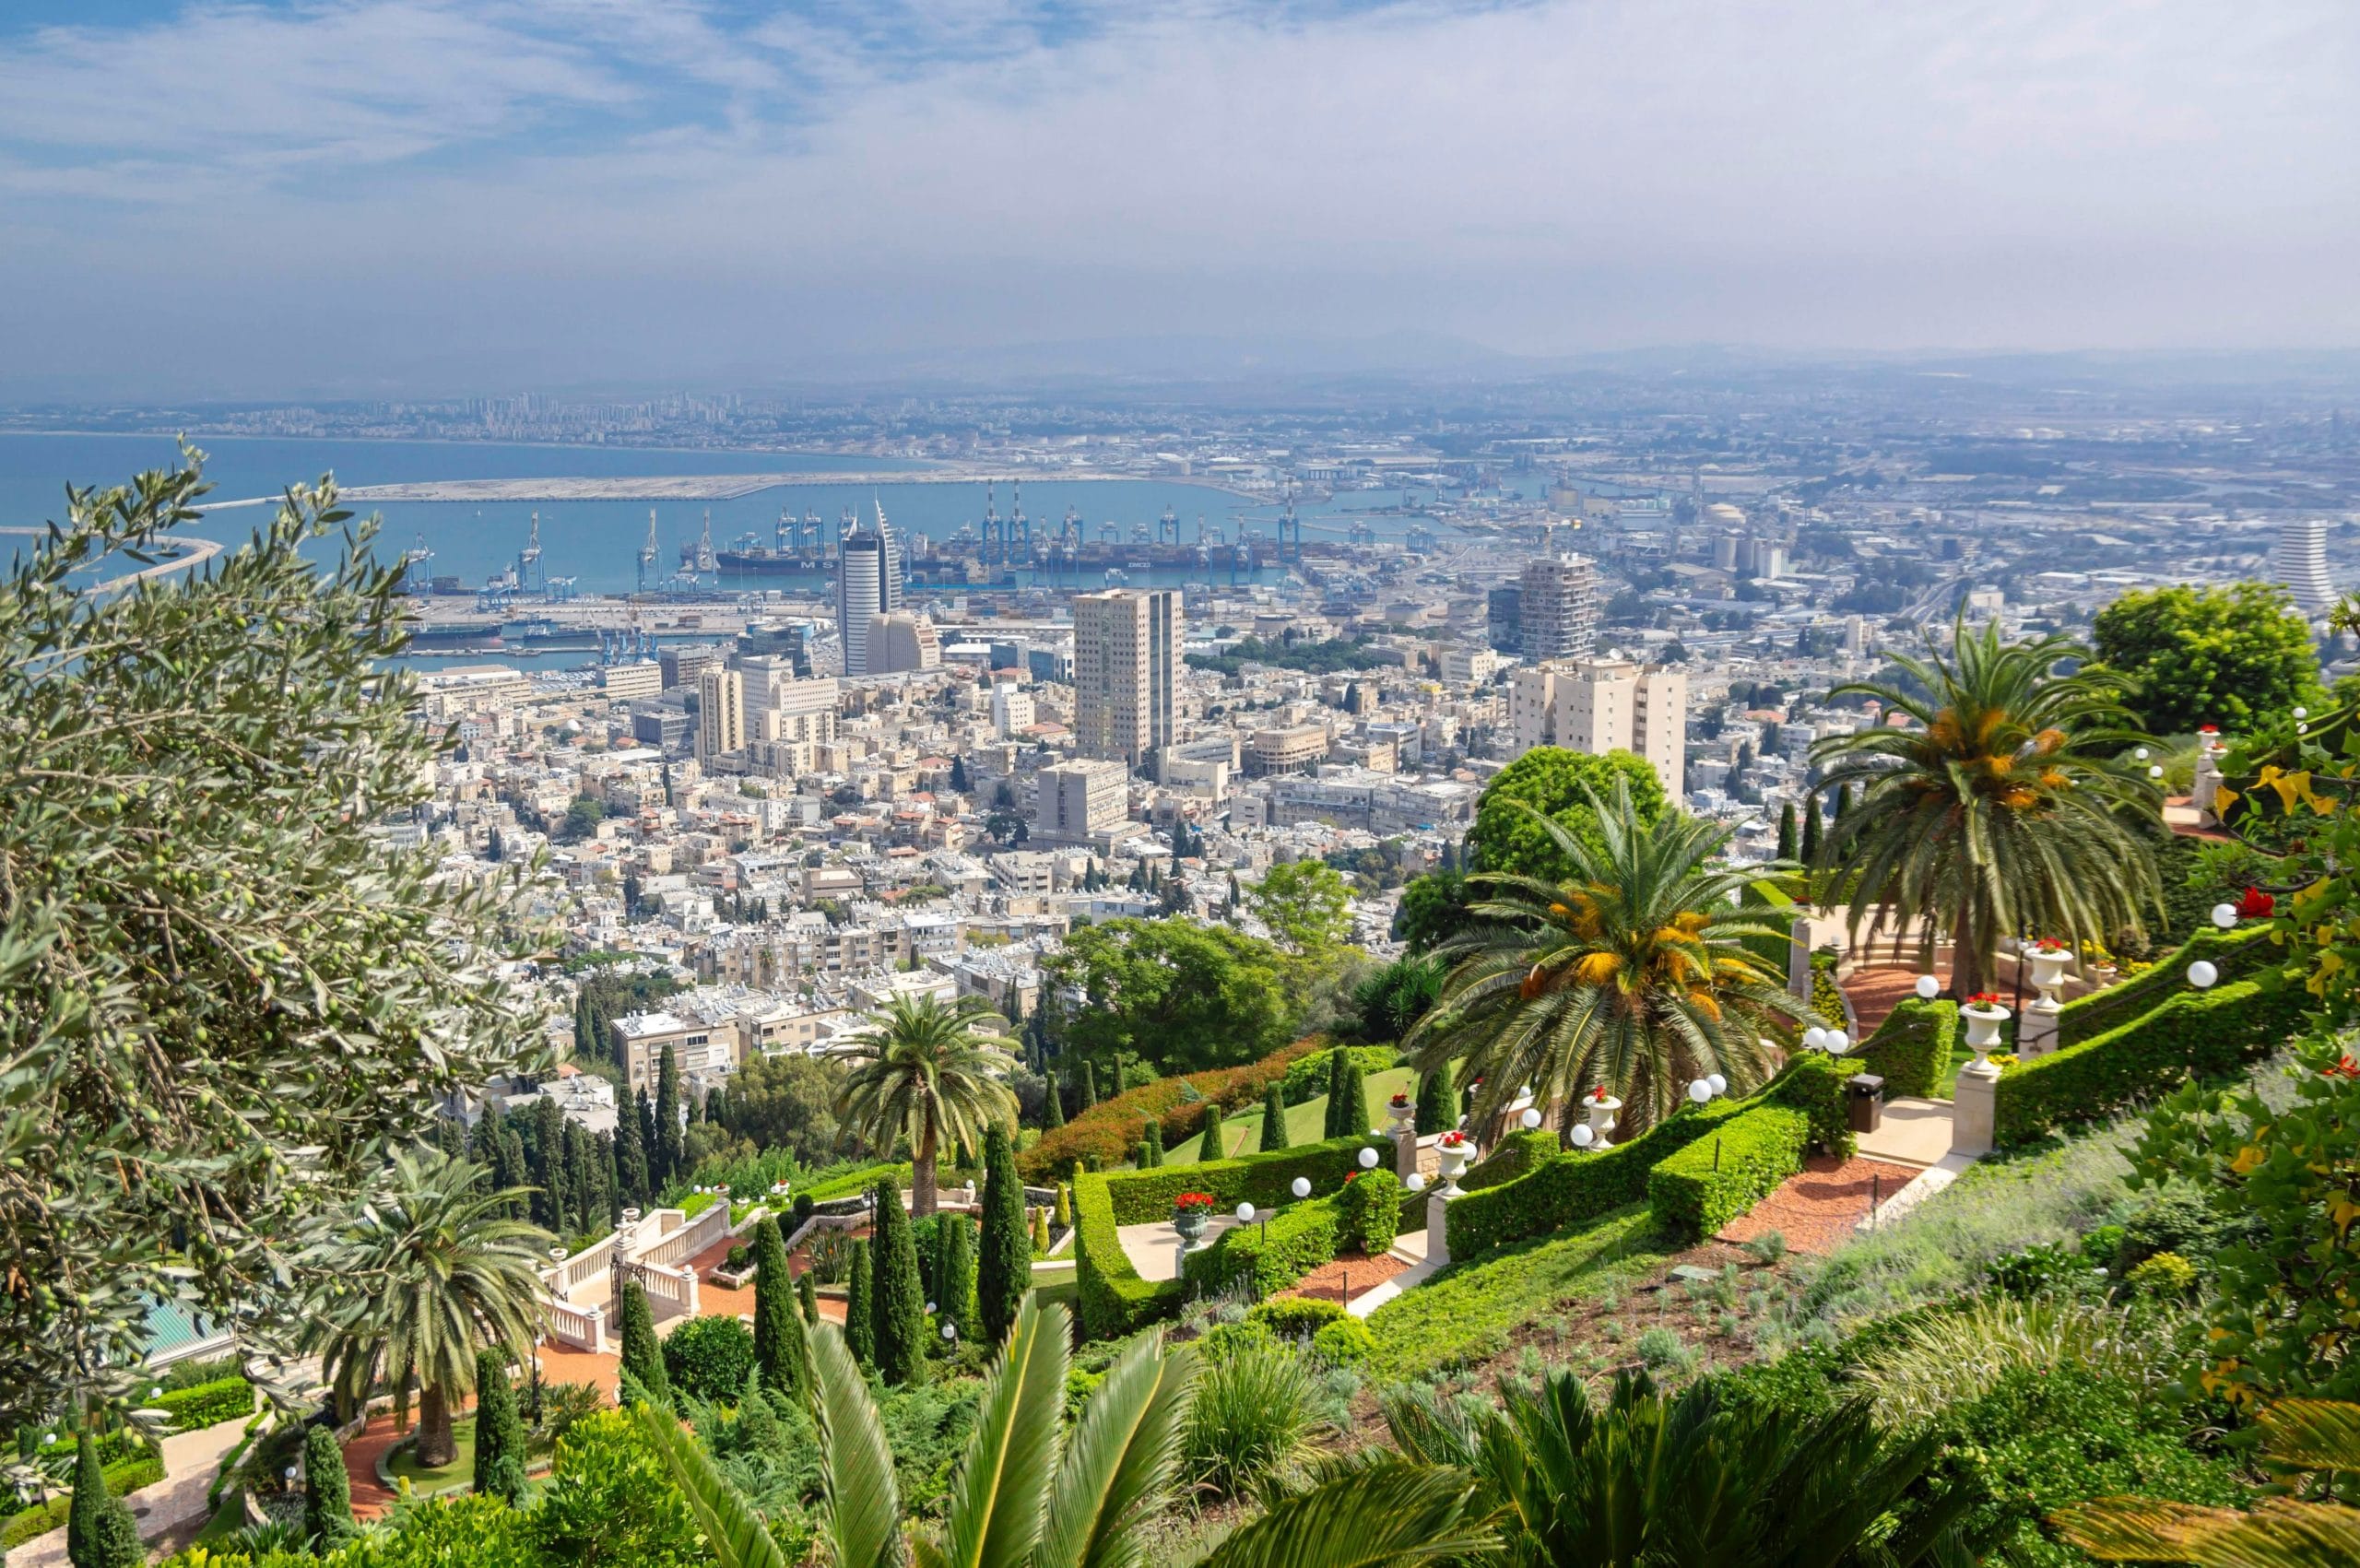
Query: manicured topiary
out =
(1151, 1145)
(860, 1316)
(1209, 1147)
(499, 1433)
(1369, 1213)
(710, 1358)
(327, 1488)
(807, 1290)
(100, 1532)
(897, 1299)
(1437, 1102)
(1703, 1186)
(778, 1328)
(641, 1356)
(1004, 1266)
(1274, 1120)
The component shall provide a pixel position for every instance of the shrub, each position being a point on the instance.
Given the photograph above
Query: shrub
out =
(1437, 1102)
(207, 1404)
(641, 1358)
(1940, 1358)
(1252, 1416)
(123, 1476)
(1294, 1317)
(1369, 1212)
(2210, 1034)
(1912, 1047)
(1661, 1349)
(1309, 1076)
(500, 1434)
(1826, 996)
(1113, 1131)
(709, 1358)
(1703, 1186)
(1265, 1258)
(2166, 1276)
(735, 1259)
(1513, 1155)
(100, 1532)
(1345, 1342)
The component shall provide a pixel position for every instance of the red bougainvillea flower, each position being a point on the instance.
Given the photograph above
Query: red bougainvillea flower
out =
(2344, 1068)
(2255, 904)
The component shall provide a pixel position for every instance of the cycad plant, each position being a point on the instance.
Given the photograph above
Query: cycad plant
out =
(1654, 1479)
(1633, 976)
(2320, 1437)
(421, 1274)
(921, 1071)
(2010, 804)
(1034, 1493)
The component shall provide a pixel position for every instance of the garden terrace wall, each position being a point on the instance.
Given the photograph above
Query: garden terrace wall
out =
(1113, 1299)
(1112, 1129)
(1912, 1046)
(1697, 1190)
(1567, 1189)
(2235, 953)
(2208, 1033)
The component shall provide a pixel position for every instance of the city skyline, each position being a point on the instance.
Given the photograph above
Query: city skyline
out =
(486, 196)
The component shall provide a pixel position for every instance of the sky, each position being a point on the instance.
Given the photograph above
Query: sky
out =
(398, 198)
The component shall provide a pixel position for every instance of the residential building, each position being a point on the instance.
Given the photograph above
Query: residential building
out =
(1558, 608)
(721, 713)
(1126, 664)
(901, 642)
(1081, 800)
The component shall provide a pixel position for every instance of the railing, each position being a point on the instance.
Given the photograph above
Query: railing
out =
(674, 1287)
(563, 1279)
(681, 1239)
(585, 1328)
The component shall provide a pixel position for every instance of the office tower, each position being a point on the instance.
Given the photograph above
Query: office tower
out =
(1558, 608)
(1503, 618)
(901, 642)
(2300, 562)
(868, 581)
(1126, 657)
(721, 713)
(1078, 801)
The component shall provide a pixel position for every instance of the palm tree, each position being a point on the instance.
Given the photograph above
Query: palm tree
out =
(2314, 1435)
(2008, 806)
(424, 1272)
(1633, 976)
(1652, 1478)
(923, 1072)
(1031, 1492)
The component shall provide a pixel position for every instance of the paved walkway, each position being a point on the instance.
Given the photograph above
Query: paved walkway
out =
(1155, 1249)
(1915, 1132)
(191, 1461)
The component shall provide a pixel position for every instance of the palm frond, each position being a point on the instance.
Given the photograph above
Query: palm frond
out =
(998, 1499)
(1120, 1458)
(1385, 1513)
(861, 1515)
(733, 1531)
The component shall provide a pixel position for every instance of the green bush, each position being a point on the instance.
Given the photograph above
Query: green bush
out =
(2167, 1275)
(1771, 906)
(1268, 1258)
(2235, 953)
(1369, 1212)
(123, 1476)
(2211, 1034)
(1345, 1342)
(1252, 1416)
(709, 1357)
(1703, 1186)
(1296, 1317)
(1826, 996)
(205, 1404)
(1912, 1047)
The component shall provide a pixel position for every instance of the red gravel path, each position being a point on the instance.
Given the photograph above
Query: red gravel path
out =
(1816, 1210)
(1328, 1280)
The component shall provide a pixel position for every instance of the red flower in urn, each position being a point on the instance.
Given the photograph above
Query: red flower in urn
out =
(1599, 1094)
(1194, 1202)
(1400, 1100)
(2255, 904)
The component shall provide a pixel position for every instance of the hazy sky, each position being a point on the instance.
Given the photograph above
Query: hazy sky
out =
(467, 194)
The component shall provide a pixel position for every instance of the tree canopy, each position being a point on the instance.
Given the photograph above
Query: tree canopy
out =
(1306, 905)
(2194, 656)
(1183, 996)
(1551, 781)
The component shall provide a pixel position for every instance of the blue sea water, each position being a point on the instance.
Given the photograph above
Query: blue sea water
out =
(596, 542)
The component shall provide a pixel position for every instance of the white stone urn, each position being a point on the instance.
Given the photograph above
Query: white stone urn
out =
(1404, 1115)
(1455, 1158)
(1600, 1115)
(1983, 1022)
(2048, 971)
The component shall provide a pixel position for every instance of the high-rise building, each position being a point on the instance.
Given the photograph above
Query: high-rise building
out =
(721, 713)
(1558, 608)
(868, 581)
(1126, 664)
(1080, 800)
(2300, 562)
(1601, 706)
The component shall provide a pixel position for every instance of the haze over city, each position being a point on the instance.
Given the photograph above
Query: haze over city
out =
(407, 197)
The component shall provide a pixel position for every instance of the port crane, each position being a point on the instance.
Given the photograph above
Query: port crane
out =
(648, 553)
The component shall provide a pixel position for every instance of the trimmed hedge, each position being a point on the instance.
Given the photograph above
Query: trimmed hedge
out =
(1369, 1213)
(1269, 1257)
(1113, 1298)
(1513, 1155)
(1703, 1186)
(2208, 1033)
(852, 1183)
(1114, 1128)
(1912, 1046)
(207, 1404)
(2235, 953)
(1826, 996)
(124, 1477)
(1568, 1189)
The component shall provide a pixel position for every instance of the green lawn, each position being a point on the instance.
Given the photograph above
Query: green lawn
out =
(458, 1474)
(1465, 1312)
(1065, 1291)
(1242, 1131)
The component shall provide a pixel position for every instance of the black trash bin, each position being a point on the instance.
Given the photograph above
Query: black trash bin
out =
(1867, 1102)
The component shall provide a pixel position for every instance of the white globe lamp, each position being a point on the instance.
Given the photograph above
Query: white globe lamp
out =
(1700, 1091)
(2203, 975)
(1838, 1042)
(1531, 1117)
(1246, 1213)
(1720, 1085)
(1417, 1182)
(1928, 987)
(2225, 915)
(1302, 1188)
(1368, 1159)
(1584, 1137)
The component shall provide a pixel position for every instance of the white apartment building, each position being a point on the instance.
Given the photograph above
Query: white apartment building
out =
(1125, 668)
(1012, 709)
(1601, 706)
(1081, 800)
(721, 713)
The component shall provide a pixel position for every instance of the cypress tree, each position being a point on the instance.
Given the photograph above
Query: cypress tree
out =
(509, 1168)
(1039, 1230)
(327, 1492)
(1004, 1266)
(666, 1165)
(483, 1143)
(606, 1185)
(631, 1151)
(897, 1307)
(956, 1301)
(1152, 1143)
(1053, 1114)
(807, 1290)
(1088, 1086)
(643, 1357)
(1356, 1121)
(1788, 845)
(1437, 1102)
(860, 1316)
(778, 1331)
(1808, 853)
(1274, 1119)
(1210, 1147)
(1065, 1207)
(100, 1531)
(499, 1433)
(1330, 1126)
(579, 1196)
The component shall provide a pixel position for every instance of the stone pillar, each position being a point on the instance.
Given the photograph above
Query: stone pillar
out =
(2037, 1027)
(597, 1317)
(689, 1281)
(1799, 957)
(1975, 1110)
(1437, 1228)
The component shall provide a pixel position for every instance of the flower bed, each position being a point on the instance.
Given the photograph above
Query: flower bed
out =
(1111, 1130)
